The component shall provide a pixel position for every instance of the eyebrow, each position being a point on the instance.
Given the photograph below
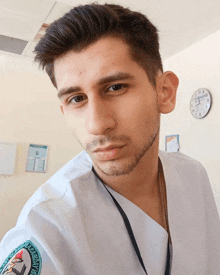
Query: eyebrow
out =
(66, 91)
(115, 77)
(102, 81)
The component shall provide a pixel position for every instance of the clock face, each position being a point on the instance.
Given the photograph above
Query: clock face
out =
(200, 103)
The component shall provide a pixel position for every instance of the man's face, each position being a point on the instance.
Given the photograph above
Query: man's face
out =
(107, 99)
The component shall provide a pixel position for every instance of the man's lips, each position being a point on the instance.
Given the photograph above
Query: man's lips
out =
(108, 148)
(111, 153)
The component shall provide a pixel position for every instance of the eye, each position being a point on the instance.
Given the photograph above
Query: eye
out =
(75, 99)
(116, 87)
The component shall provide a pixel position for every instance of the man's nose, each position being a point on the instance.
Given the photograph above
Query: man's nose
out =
(100, 117)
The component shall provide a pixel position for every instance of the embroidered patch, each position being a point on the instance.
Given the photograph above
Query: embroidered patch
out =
(24, 260)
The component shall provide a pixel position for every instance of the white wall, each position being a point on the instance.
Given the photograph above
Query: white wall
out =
(29, 113)
(197, 67)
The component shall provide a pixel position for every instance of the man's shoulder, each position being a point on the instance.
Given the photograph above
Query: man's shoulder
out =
(75, 168)
(178, 159)
(181, 167)
(58, 185)
(52, 206)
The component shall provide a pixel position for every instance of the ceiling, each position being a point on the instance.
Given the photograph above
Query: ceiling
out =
(181, 23)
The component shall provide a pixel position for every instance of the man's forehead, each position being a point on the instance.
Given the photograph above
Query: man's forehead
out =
(94, 63)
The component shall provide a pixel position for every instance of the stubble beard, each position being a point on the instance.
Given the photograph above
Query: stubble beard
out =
(120, 170)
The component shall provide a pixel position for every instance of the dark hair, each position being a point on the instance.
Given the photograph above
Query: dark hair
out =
(84, 25)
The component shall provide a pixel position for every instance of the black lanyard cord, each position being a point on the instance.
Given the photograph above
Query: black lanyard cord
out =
(131, 234)
(167, 272)
(129, 229)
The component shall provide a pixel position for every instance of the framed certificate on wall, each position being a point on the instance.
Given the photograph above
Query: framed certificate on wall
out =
(37, 158)
(172, 143)
(7, 157)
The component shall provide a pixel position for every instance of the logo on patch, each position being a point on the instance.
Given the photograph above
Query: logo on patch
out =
(24, 260)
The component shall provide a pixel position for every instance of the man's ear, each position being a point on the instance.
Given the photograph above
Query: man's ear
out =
(166, 89)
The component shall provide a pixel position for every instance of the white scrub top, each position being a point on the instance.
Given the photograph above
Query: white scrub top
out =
(152, 238)
(72, 226)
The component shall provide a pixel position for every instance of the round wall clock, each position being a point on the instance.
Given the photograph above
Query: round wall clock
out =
(200, 103)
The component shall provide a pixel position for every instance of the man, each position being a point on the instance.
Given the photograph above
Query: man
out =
(120, 206)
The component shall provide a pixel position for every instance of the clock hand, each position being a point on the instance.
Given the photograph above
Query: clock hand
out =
(199, 103)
